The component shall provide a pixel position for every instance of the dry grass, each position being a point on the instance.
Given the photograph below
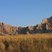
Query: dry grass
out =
(26, 43)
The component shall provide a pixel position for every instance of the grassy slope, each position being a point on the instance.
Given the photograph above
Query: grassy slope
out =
(26, 43)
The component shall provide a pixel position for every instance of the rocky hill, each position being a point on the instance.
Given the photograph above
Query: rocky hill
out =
(44, 27)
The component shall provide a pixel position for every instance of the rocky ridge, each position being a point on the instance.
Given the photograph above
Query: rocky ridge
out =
(44, 27)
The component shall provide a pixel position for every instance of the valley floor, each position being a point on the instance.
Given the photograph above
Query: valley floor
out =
(26, 43)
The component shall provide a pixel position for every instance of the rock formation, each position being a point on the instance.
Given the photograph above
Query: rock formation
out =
(44, 27)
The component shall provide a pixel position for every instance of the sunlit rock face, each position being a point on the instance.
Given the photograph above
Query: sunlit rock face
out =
(44, 21)
(7, 29)
(48, 22)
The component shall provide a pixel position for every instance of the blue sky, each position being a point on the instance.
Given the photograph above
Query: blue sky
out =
(24, 12)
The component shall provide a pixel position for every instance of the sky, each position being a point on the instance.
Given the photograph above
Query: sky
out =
(24, 12)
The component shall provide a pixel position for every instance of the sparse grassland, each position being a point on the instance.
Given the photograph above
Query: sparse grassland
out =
(26, 43)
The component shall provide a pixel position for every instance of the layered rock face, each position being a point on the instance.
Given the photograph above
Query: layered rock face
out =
(44, 27)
